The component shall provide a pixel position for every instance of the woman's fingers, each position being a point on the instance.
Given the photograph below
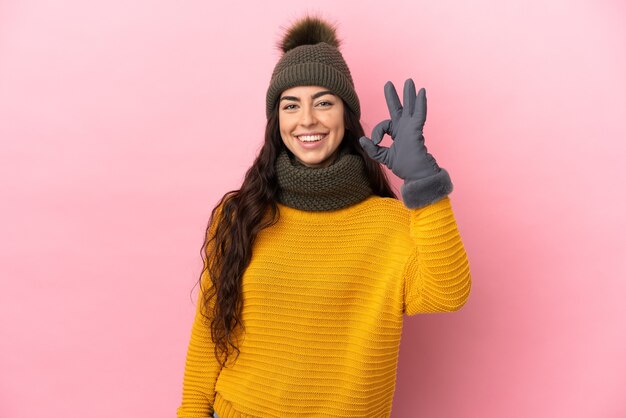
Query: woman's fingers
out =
(409, 98)
(377, 153)
(413, 105)
(393, 101)
(420, 110)
(380, 130)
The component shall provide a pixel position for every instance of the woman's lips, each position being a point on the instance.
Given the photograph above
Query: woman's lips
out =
(311, 144)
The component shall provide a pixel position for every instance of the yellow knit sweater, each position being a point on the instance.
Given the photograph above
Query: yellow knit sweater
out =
(324, 297)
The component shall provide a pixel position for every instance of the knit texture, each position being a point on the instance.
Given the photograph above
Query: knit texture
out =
(341, 184)
(323, 303)
(313, 65)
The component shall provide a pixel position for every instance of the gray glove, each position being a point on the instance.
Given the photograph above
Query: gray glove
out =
(424, 181)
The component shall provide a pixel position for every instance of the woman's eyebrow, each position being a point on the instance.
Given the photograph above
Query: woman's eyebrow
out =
(315, 96)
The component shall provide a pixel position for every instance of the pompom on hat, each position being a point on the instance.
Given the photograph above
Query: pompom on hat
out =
(311, 57)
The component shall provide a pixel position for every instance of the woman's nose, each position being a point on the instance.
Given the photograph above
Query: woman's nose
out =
(307, 117)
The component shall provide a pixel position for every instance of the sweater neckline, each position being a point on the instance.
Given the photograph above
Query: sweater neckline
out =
(323, 216)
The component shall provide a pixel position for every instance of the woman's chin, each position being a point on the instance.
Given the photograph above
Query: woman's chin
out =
(318, 162)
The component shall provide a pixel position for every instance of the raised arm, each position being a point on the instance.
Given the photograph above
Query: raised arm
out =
(436, 276)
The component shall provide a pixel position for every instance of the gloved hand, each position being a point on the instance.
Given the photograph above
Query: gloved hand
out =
(424, 181)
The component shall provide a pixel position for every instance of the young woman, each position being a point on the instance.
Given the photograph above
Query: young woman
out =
(310, 266)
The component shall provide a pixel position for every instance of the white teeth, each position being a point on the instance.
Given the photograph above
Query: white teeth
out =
(310, 138)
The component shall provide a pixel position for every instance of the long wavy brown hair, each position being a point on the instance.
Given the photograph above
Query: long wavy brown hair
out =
(237, 219)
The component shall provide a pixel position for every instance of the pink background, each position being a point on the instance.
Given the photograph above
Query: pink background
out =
(122, 123)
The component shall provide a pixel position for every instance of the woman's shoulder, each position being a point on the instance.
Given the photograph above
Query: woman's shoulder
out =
(385, 209)
(385, 203)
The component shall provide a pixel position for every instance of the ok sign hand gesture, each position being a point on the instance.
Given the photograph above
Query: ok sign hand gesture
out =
(424, 181)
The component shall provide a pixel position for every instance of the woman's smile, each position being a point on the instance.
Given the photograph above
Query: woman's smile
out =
(311, 141)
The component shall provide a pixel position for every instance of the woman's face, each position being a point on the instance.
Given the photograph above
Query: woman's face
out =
(311, 124)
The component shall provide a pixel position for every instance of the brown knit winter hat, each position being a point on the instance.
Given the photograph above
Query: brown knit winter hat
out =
(311, 57)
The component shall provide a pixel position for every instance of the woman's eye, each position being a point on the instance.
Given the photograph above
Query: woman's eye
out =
(327, 103)
(288, 107)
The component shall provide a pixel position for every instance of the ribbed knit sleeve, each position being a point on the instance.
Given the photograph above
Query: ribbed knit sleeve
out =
(437, 275)
(201, 371)
(201, 367)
